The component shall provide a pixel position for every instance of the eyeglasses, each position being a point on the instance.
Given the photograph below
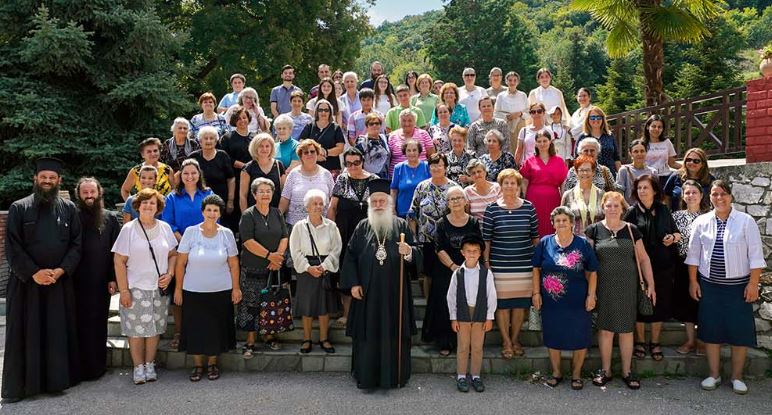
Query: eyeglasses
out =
(456, 199)
(584, 171)
(308, 152)
(264, 192)
(536, 112)
(691, 160)
(374, 123)
(250, 98)
(323, 110)
(353, 163)
(595, 118)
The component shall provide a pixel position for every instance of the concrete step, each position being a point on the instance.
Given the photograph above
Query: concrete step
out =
(673, 334)
(427, 360)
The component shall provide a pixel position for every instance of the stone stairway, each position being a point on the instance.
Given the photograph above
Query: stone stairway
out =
(425, 357)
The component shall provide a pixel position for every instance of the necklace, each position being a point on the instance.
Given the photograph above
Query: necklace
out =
(265, 217)
(380, 253)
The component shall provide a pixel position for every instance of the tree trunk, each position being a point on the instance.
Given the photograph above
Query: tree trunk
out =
(653, 59)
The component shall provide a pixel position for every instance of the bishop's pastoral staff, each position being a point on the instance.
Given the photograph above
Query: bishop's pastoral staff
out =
(375, 268)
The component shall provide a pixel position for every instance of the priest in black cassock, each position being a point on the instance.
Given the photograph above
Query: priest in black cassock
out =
(94, 278)
(43, 247)
(371, 269)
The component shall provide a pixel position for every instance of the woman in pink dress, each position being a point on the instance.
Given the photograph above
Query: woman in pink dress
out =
(543, 174)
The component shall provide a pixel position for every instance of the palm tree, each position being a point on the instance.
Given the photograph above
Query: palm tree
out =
(650, 23)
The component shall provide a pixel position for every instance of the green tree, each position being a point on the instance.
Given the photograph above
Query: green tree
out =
(483, 34)
(257, 38)
(760, 31)
(620, 92)
(648, 24)
(83, 82)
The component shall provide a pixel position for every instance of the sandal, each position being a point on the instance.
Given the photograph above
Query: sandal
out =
(341, 322)
(197, 373)
(273, 345)
(213, 372)
(327, 349)
(304, 349)
(248, 351)
(507, 353)
(632, 381)
(684, 349)
(657, 356)
(577, 384)
(553, 381)
(600, 378)
(174, 343)
(445, 353)
(639, 350)
(518, 350)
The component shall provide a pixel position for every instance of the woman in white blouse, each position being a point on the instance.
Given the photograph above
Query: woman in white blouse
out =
(546, 93)
(512, 107)
(315, 246)
(660, 153)
(144, 260)
(207, 287)
(725, 251)
(583, 97)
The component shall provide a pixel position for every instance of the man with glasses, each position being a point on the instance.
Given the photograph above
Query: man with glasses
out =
(470, 94)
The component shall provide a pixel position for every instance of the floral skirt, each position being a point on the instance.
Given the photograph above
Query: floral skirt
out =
(147, 315)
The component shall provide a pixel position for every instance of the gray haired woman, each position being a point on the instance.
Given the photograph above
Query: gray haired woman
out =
(179, 147)
(315, 246)
(497, 158)
(602, 177)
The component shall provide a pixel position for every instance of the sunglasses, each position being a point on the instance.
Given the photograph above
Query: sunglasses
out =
(595, 118)
(536, 112)
(353, 163)
(308, 152)
(323, 110)
(374, 123)
(694, 161)
(470, 75)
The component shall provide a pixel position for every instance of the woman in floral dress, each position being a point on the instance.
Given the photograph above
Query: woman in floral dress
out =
(564, 282)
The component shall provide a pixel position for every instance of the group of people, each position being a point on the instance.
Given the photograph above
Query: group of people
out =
(501, 203)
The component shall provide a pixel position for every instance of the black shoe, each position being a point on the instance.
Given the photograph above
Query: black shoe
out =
(462, 385)
(478, 385)
(330, 349)
(10, 400)
(304, 349)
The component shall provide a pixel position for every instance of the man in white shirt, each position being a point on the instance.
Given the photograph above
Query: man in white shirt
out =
(470, 94)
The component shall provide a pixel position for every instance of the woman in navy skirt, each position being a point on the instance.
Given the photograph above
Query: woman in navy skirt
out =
(564, 282)
(725, 252)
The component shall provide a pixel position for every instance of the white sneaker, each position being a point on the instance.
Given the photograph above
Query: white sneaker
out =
(739, 387)
(139, 375)
(150, 374)
(710, 383)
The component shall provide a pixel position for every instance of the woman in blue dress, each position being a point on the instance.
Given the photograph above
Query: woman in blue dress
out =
(564, 282)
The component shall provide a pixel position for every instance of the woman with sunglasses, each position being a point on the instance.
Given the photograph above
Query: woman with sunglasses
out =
(309, 175)
(526, 139)
(325, 131)
(374, 147)
(694, 167)
(348, 206)
(595, 126)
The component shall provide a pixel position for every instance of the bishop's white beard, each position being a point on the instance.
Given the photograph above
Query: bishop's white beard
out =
(382, 222)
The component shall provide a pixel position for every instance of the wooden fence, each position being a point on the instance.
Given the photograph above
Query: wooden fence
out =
(714, 122)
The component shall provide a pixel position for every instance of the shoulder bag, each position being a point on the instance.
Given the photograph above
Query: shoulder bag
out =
(170, 287)
(315, 260)
(645, 306)
(274, 308)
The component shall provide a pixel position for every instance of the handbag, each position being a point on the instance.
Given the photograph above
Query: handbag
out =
(170, 287)
(315, 260)
(274, 308)
(645, 306)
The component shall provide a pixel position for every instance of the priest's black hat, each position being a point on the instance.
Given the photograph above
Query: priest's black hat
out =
(49, 164)
(472, 238)
(379, 185)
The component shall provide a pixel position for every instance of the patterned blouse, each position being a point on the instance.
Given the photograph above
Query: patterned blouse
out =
(457, 164)
(683, 220)
(494, 167)
(585, 213)
(441, 134)
(219, 123)
(429, 205)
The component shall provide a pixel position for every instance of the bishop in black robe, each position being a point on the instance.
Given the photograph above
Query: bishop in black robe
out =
(373, 321)
(94, 278)
(43, 242)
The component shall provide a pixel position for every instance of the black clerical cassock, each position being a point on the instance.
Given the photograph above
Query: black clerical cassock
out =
(92, 298)
(41, 346)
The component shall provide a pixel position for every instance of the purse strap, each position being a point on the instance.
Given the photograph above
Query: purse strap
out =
(637, 264)
(314, 250)
(152, 252)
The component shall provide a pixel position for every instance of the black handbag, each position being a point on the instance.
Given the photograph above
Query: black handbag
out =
(274, 308)
(315, 260)
(645, 306)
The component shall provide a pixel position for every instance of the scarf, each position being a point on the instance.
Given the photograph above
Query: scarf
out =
(583, 207)
(173, 149)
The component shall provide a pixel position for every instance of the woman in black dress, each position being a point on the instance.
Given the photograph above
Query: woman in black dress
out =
(216, 166)
(263, 163)
(325, 131)
(451, 229)
(660, 237)
(236, 144)
(348, 206)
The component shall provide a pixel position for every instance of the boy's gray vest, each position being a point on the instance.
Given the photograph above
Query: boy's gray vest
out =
(481, 304)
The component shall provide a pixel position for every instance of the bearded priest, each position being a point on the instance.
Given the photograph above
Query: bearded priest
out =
(375, 265)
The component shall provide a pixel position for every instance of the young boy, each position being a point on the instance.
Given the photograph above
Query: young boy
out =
(472, 304)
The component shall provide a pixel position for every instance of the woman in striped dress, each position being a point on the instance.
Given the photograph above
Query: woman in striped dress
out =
(510, 231)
